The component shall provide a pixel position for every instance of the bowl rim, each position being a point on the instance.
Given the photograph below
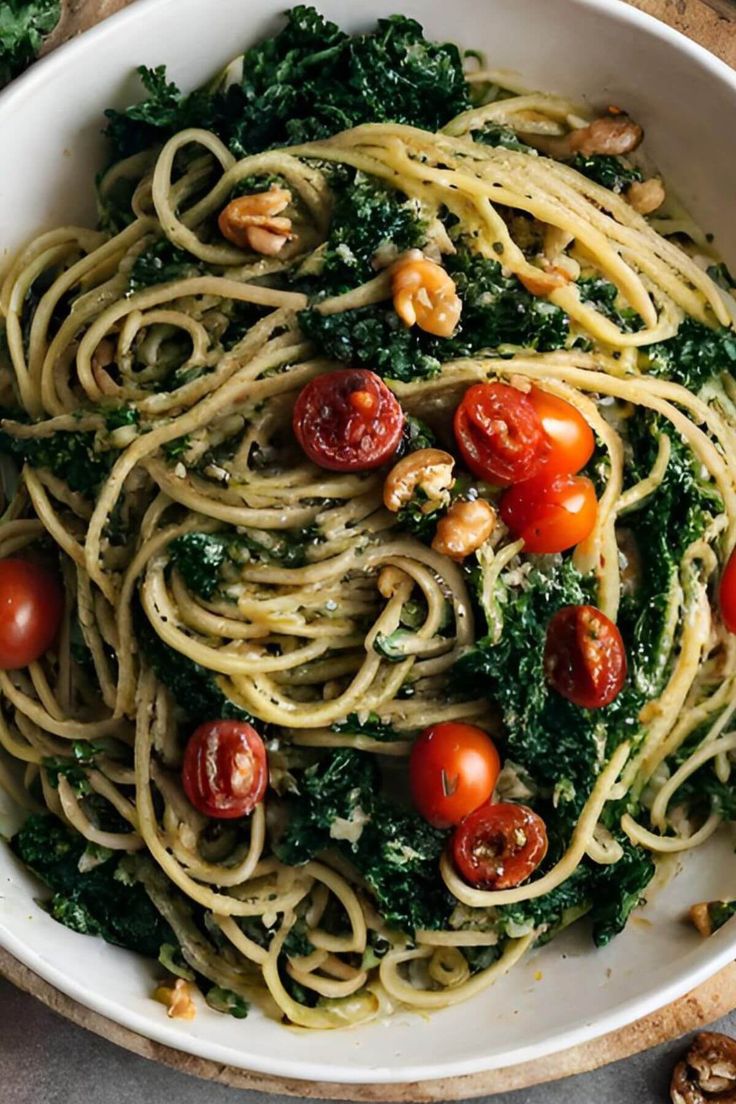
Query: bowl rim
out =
(707, 961)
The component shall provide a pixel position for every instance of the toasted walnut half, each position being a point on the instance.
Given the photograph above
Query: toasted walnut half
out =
(427, 470)
(255, 221)
(464, 528)
(707, 1073)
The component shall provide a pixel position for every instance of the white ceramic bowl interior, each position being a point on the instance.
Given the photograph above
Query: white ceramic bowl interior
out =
(599, 51)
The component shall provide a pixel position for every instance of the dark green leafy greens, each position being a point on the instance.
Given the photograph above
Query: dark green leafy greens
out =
(610, 172)
(497, 310)
(396, 851)
(696, 355)
(23, 25)
(75, 456)
(160, 263)
(304, 83)
(96, 902)
(201, 557)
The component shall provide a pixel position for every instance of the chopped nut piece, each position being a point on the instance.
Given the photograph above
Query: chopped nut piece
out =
(178, 999)
(646, 196)
(255, 221)
(464, 528)
(425, 295)
(429, 470)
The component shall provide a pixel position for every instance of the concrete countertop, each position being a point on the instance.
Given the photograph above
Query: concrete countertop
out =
(45, 1060)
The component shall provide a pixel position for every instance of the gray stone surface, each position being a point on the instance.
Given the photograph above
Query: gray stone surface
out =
(45, 1060)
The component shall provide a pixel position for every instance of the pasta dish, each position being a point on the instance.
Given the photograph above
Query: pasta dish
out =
(369, 485)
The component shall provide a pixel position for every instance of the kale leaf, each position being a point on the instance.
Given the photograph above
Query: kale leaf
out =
(372, 727)
(396, 852)
(95, 902)
(74, 456)
(23, 24)
(610, 172)
(159, 264)
(696, 355)
(193, 687)
(603, 295)
(497, 310)
(496, 134)
(306, 82)
(200, 557)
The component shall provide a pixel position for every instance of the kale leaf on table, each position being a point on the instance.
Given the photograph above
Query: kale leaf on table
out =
(23, 25)
(304, 83)
(397, 852)
(497, 310)
(96, 902)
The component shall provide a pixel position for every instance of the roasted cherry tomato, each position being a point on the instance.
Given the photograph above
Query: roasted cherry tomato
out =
(499, 846)
(584, 656)
(727, 594)
(452, 770)
(31, 605)
(225, 769)
(348, 420)
(570, 438)
(499, 433)
(551, 512)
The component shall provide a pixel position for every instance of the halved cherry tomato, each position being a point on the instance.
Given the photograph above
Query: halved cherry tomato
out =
(551, 512)
(499, 846)
(452, 770)
(727, 594)
(584, 656)
(225, 769)
(499, 433)
(571, 440)
(31, 605)
(348, 420)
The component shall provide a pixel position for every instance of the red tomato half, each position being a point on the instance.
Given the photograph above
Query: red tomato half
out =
(31, 605)
(551, 512)
(452, 770)
(499, 433)
(499, 846)
(584, 656)
(727, 594)
(348, 420)
(225, 770)
(571, 440)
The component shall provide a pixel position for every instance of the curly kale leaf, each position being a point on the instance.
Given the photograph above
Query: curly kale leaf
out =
(75, 457)
(617, 889)
(306, 82)
(396, 852)
(159, 264)
(193, 687)
(95, 902)
(496, 134)
(372, 726)
(497, 310)
(603, 295)
(696, 355)
(200, 557)
(23, 24)
(610, 172)
(367, 216)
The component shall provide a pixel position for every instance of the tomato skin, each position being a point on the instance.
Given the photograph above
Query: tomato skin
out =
(571, 440)
(348, 420)
(551, 512)
(499, 846)
(499, 433)
(727, 593)
(31, 606)
(225, 770)
(584, 656)
(453, 769)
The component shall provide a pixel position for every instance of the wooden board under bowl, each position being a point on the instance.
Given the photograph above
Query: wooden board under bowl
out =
(713, 24)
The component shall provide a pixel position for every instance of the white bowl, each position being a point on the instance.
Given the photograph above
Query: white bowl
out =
(596, 50)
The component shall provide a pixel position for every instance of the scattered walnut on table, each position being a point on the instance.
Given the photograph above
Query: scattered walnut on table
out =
(707, 1074)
